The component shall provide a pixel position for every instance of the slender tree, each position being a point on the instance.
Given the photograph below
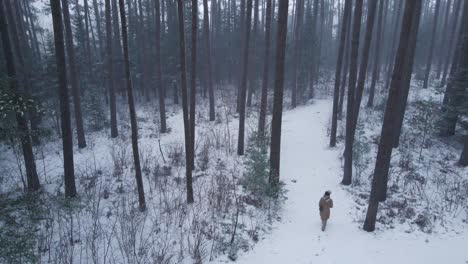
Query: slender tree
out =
(275, 143)
(346, 15)
(266, 70)
(188, 169)
(452, 40)
(206, 30)
(73, 76)
(162, 104)
(131, 108)
(408, 35)
(464, 155)
(348, 153)
(297, 50)
(243, 92)
(377, 54)
(363, 67)
(110, 71)
(67, 140)
(26, 145)
(432, 44)
(193, 82)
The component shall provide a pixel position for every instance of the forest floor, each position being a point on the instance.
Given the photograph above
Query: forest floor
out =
(309, 167)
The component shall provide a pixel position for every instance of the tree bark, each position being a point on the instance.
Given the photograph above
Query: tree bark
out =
(266, 70)
(348, 153)
(452, 41)
(431, 48)
(408, 33)
(464, 155)
(253, 56)
(26, 145)
(110, 70)
(206, 29)
(131, 108)
(162, 104)
(188, 169)
(377, 55)
(67, 141)
(275, 143)
(296, 50)
(336, 92)
(73, 76)
(193, 82)
(243, 92)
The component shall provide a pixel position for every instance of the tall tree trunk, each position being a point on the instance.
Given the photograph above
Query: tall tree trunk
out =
(431, 47)
(313, 34)
(443, 41)
(73, 76)
(363, 67)
(188, 169)
(97, 18)
(253, 56)
(348, 153)
(243, 92)
(275, 143)
(87, 40)
(336, 92)
(297, 50)
(206, 29)
(408, 34)
(67, 140)
(377, 55)
(118, 74)
(162, 104)
(464, 155)
(394, 40)
(110, 71)
(131, 108)
(345, 68)
(452, 40)
(193, 82)
(266, 70)
(26, 145)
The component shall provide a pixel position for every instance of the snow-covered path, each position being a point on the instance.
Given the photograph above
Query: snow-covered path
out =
(309, 167)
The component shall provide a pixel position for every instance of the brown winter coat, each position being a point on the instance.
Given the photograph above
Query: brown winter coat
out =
(324, 205)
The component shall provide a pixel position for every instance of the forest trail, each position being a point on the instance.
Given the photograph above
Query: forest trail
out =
(309, 168)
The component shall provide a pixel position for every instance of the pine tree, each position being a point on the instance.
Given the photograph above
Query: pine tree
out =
(188, 169)
(67, 141)
(406, 47)
(275, 143)
(131, 106)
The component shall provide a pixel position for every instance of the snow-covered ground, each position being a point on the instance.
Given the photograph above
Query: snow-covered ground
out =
(309, 167)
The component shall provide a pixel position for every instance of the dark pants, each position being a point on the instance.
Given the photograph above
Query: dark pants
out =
(324, 224)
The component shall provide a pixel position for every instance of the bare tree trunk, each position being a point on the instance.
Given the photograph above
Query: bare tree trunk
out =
(110, 71)
(346, 15)
(431, 48)
(26, 145)
(188, 169)
(193, 82)
(206, 29)
(275, 144)
(376, 70)
(266, 70)
(408, 34)
(464, 155)
(162, 104)
(97, 18)
(312, 76)
(67, 140)
(253, 56)
(348, 153)
(452, 40)
(443, 41)
(131, 108)
(296, 50)
(363, 67)
(245, 63)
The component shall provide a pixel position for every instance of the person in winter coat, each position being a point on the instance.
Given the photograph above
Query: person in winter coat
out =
(325, 204)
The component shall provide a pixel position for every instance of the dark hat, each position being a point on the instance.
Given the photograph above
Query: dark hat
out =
(327, 193)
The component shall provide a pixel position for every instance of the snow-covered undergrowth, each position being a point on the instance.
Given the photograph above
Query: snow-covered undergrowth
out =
(427, 191)
(104, 225)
